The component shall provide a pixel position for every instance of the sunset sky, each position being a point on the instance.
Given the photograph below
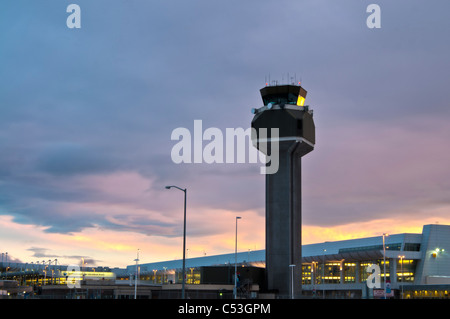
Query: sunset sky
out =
(86, 117)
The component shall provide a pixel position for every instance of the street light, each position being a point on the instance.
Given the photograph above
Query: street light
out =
(136, 276)
(436, 252)
(192, 275)
(235, 261)
(323, 275)
(384, 261)
(292, 281)
(184, 240)
(401, 267)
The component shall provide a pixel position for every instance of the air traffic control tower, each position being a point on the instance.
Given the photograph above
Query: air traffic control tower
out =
(284, 110)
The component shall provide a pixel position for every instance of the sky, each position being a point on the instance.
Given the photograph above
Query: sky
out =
(86, 117)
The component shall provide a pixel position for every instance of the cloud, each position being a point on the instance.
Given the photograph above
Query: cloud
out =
(381, 171)
(41, 252)
(69, 159)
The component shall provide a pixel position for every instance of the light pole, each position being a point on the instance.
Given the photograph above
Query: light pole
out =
(292, 281)
(184, 240)
(384, 262)
(235, 260)
(136, 276)
(192, 274)
(401, 267)
(313, 276)
(323, 275)
(45, 273)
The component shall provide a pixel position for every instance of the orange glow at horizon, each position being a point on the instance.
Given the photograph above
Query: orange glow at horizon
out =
(118, 248)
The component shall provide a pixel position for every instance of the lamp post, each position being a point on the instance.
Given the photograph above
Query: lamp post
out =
(235, 260)
(292, 280)
(136, 276)
(323, 275)
(192, 274)
(384, 262)
(45, 273)
(313, 276)
(401, 267)
(184, 241)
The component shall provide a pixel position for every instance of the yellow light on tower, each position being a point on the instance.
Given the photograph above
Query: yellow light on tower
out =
(301, 96)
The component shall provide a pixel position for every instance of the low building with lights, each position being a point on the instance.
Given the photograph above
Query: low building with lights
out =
(408, 265)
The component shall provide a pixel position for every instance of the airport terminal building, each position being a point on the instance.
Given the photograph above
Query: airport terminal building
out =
(408, 265)
(411, 266)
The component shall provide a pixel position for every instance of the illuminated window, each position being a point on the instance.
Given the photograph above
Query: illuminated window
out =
(380, 263)
(363, 273)
(193, 276)
(349, 272)
(330, 274)
(301, 100)
(306, 274)
(406, 270)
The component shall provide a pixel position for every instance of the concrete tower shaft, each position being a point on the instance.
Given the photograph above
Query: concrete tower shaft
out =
(284, 110)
